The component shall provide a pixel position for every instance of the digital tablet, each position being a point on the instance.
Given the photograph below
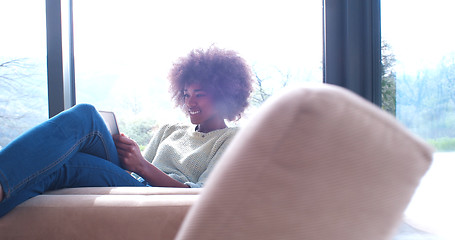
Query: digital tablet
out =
(111, 122)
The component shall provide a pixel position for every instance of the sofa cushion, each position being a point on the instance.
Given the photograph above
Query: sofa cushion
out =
(126, 191)
(317, 162)
(100, 213)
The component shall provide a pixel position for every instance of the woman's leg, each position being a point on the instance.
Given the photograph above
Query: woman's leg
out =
(47, 147)
(82, 170)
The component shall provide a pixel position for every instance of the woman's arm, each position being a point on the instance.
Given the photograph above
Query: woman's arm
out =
(132, 160)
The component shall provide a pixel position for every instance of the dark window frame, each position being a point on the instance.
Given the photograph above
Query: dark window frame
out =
(352, 46)
(60, 55)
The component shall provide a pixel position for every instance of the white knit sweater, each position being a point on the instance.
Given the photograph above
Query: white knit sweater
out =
(186, 155)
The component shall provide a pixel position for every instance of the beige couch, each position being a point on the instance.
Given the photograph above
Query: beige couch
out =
(100, 213)
(316, 162)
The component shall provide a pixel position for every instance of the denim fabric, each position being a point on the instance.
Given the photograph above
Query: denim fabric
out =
(72, 149)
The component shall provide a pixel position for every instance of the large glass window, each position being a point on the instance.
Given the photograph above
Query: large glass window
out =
(23, 79)
(418, 87)
(124, 50)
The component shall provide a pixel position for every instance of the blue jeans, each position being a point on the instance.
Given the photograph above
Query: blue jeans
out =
(72, 149)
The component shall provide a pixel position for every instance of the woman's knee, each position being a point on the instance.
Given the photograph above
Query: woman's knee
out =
(79, 114)
(85, 111)
(84, 108)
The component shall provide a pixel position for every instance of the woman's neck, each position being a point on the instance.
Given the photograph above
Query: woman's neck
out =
(205, 128)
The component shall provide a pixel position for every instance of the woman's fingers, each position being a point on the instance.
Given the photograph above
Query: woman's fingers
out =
(122, 139)
(126, 147)
(122, 142)
(128, 151)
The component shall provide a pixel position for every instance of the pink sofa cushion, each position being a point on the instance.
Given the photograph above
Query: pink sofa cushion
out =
(100, 213)
(315, 163)
(126, 191)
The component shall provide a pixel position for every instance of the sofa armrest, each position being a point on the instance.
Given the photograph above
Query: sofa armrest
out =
(316, 162)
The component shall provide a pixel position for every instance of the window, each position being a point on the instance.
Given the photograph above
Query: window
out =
(418, 87)
(23, 79)
(124, 49)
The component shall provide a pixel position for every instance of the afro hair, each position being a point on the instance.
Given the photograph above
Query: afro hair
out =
(221, 72)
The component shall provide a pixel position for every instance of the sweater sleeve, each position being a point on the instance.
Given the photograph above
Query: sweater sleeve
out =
(151, 148)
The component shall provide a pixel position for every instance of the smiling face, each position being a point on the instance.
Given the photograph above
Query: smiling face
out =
(201, 108)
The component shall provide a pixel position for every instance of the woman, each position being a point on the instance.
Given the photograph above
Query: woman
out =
(75, 148)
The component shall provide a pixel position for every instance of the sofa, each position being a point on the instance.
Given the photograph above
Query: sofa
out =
(315, 162)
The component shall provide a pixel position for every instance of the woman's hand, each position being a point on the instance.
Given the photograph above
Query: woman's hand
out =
(131, 158)
(129, 153)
